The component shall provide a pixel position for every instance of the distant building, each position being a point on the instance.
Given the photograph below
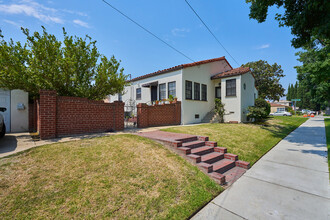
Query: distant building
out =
(284, 102)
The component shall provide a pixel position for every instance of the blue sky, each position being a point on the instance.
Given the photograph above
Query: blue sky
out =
(171, 20)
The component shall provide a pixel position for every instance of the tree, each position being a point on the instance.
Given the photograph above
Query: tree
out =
(73, 67)
(267, 79)
(314, 74)
(306, 18)
(289, 93)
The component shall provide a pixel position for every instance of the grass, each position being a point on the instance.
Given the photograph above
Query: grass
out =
(249, 141)
(327, 132)
(117, 177)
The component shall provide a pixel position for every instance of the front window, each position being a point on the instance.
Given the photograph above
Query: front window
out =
(162, 91)
(138, 94)
(231, 87)
(204, 92)
(197, 92)
(171, 89)
(188, 89)
(280, 109)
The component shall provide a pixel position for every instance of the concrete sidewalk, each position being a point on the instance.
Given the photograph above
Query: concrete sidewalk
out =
(290, 182)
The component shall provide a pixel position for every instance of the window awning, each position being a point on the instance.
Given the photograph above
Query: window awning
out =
(150, 84)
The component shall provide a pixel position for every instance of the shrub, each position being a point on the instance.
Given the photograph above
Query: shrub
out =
(220, 109)
(257, 113)
(261, 103)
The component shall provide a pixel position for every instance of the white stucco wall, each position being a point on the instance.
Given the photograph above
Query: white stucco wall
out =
(130, 91)
(232, 103)
(247, 98)
(200, 74)
(19, 118)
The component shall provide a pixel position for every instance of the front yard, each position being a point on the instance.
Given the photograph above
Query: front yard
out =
(117, 177)
(249, 141)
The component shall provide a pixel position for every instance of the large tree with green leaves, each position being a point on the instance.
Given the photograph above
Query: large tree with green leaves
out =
(267, 79)
(73, 67)
(307, 19)
(314, 74)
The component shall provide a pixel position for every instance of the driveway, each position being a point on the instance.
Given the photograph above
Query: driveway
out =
(290, 182)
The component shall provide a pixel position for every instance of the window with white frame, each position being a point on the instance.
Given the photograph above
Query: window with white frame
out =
(138, 94)
(204, 92)
(231, 87)
(172, 89)
(162, 91)
(188, 89)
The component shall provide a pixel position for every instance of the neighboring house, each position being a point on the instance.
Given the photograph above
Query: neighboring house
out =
(274, 107)
(283, 102)
(17, 115)
(196, 85)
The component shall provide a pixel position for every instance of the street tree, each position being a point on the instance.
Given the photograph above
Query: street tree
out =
(267, 79)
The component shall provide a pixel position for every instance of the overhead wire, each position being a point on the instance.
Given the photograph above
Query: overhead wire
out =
(145, 29)
(211, 32)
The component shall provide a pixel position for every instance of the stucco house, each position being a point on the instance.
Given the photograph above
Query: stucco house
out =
(275, 107)
(196, 85)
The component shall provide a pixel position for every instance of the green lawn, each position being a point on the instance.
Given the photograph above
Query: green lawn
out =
(249, 141)
(327, 132)
(117, 177)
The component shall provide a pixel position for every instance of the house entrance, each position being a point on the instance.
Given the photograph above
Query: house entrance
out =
(153, 93)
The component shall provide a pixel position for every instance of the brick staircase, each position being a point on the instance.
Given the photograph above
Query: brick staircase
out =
(223, 167)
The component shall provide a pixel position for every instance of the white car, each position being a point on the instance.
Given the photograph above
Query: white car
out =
(284, 113)
(2, 123)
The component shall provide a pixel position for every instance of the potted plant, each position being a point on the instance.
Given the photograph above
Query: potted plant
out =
(157, 102)
(175, 99)
(170, 99)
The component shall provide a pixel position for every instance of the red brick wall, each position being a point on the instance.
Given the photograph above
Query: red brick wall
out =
(60, 116)
(158, 115)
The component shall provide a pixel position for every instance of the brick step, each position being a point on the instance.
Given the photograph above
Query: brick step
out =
(233, 174)
(223, 165)
(232, 157)
(202, 150)
(212, 157)
(188, 139)
(194, 144)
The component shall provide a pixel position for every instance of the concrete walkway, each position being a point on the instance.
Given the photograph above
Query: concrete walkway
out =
(289, 182)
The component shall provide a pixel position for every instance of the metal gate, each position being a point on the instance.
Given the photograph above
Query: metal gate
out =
(130, 120)
(5, 102)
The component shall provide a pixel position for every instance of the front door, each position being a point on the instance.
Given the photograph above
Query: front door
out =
(153, 93)
(5, 102)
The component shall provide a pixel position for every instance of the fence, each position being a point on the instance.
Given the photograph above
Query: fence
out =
(158, 115)
(55, 116)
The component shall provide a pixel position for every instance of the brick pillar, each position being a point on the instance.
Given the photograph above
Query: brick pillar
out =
(118, 116)
(177, 113)
(142, 115)
(47, 114)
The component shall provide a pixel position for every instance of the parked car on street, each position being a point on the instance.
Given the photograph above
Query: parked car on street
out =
(2, 123)
(284, 113)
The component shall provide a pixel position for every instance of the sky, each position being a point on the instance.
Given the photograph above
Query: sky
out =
(171, 20)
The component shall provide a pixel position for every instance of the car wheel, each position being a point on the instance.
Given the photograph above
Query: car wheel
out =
(284, 115)
(3, 131)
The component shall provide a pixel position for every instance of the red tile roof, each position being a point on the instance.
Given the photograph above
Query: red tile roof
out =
(232, 72)
(277, 105)
(180, 67)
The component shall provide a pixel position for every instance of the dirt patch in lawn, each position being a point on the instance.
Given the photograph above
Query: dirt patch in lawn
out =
(122, 176)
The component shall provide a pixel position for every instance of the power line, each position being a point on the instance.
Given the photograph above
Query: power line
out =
(210, 31)
(145, 29)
